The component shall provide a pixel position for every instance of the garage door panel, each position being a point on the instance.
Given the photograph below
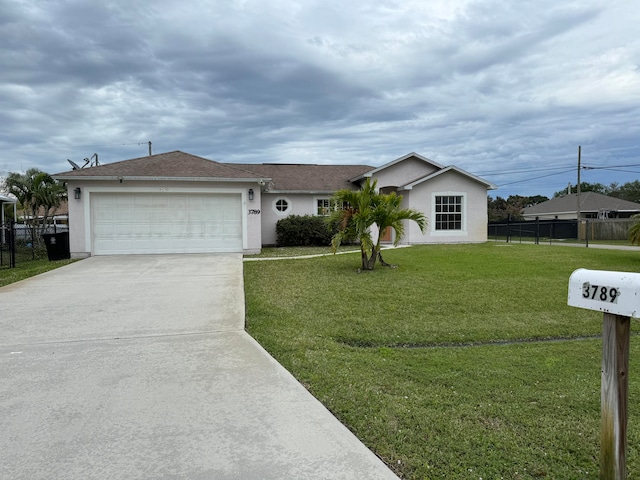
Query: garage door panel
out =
(165, 223)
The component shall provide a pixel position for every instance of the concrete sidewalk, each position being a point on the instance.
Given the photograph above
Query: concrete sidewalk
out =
(139, 367)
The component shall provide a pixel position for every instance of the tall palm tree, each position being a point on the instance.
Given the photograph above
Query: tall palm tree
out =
(358, 211)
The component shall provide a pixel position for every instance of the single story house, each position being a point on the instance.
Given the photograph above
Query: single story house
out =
(6, 200)
(179, 203)
(592, 205)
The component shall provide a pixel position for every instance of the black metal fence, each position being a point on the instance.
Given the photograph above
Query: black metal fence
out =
(21, 242)
(534, 231)
(7, 245)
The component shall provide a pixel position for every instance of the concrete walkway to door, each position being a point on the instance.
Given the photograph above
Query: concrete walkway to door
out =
(138, 367)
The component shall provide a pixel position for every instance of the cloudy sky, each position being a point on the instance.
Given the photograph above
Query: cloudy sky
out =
(505, 90)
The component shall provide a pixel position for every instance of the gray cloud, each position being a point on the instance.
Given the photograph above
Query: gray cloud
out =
(490, 86)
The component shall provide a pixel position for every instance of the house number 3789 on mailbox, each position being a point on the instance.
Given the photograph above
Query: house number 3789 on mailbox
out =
(617, 295)
(610, 292)
(602, 293)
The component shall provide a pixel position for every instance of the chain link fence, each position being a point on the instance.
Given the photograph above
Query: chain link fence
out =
(20, 243)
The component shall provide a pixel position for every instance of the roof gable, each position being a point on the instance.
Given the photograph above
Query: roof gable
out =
(589, 202)
(172, 165)
(398, 160)
(451, 168)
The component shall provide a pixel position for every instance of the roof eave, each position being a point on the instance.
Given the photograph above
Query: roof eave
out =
(568, 212)
(301, 192)
(103, 178)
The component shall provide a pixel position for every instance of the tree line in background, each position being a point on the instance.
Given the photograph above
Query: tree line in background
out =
(500, 209)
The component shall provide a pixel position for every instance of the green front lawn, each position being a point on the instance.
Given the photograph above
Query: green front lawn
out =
(419, 363)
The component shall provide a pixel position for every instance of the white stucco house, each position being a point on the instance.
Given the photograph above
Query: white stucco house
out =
(179, 203)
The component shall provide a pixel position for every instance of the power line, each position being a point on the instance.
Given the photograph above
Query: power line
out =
(625, 171)
(536, 178)
(611, 166)
(505, 172)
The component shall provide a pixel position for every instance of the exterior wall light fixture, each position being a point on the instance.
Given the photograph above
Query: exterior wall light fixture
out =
(251, 194)
(77, 193)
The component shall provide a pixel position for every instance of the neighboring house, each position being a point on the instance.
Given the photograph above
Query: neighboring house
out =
(180, 203)
(5, 200)
(592, 205)
(56, 216)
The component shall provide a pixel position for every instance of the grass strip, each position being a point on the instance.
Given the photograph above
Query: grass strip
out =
(28, 268)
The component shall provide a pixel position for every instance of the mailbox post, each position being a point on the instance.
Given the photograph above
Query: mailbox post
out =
(617, 295)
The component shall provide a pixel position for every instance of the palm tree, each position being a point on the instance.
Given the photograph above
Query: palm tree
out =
(634, 231)
(38, 193)
(389, 214)
(358, 211)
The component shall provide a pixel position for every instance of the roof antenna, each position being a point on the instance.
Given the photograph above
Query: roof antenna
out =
(73, 164)
(149, 147)
(87, 161)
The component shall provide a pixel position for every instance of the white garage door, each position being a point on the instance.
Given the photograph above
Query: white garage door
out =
(138, 223)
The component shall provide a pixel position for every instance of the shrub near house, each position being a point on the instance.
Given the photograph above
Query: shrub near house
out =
(303, 230)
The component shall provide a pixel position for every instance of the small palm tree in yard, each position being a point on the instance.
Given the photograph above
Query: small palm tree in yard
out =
(359, 210)
(634, 231)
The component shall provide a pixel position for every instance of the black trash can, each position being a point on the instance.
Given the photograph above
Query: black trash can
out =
(57, 245)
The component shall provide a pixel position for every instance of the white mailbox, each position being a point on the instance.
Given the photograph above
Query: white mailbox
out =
(617, 294)
(610, 292)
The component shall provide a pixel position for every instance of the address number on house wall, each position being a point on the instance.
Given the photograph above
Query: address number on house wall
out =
(254, 212)
(602, 293)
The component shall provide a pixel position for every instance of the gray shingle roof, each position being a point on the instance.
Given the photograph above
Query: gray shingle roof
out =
(175, 165)
(180, 165)
(589, 202)
(307, 178)
(279, 177)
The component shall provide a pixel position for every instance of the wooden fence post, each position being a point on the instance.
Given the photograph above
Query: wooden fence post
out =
(614, 396)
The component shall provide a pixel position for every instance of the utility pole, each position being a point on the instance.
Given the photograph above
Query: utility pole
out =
(579, 154)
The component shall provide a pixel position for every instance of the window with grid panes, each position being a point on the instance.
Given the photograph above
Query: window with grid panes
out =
(448, 212)
(323, 207)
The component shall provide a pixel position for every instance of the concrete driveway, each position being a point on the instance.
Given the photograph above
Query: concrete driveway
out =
(138, 367)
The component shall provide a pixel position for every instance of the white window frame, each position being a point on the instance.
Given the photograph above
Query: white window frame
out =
(275, 208)
(323, 199)
(463, 223)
